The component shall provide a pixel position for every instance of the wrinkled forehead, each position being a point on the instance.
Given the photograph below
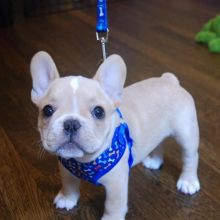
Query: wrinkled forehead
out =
(76, 87)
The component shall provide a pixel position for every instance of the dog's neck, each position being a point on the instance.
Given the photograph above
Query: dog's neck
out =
(94, 169)
(115, 121)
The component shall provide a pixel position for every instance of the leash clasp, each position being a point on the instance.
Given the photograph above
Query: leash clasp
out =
(103, 38)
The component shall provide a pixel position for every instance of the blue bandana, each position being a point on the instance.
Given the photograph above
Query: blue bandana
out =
(94, 170)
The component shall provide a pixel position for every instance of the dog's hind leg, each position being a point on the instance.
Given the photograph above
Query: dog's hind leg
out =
(155, 159)
(187, 135)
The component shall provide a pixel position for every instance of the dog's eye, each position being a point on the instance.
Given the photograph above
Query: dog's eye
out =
(98, 112)
(48, 110)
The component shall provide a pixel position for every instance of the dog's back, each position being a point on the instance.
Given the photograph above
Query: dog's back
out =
(155, 109)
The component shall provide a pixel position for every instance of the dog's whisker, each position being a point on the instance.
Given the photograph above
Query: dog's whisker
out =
(36, 143)
(41, 153)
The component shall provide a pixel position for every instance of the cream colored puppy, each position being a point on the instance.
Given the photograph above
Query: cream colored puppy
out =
(80, 123)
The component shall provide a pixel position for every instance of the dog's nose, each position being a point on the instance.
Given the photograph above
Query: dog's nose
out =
(71, 126)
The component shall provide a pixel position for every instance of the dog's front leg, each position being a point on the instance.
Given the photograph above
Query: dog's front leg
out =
(116, 196)
(68, 196)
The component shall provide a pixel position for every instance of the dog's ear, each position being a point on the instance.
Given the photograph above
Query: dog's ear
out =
(43, 72)
(111, 75)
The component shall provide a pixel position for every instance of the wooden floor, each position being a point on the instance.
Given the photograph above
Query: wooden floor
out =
(153, 37)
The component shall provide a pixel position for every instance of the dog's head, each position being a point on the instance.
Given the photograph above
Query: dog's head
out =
(76, 113)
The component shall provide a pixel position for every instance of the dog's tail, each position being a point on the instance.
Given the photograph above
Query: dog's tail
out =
(170, 77)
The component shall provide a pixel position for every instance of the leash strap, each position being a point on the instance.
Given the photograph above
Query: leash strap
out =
(102, 30)
(102, 20)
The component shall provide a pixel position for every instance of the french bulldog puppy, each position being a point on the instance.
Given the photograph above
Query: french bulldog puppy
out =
(78, 118)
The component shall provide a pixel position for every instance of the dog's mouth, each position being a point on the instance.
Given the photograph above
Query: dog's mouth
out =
(70, 150)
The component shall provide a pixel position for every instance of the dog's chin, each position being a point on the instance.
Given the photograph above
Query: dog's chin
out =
(70, 150)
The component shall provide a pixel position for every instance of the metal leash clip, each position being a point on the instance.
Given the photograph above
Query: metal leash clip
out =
(103, 38)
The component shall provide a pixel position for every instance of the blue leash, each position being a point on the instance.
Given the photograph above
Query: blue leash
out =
(102, 18)
(102, 30)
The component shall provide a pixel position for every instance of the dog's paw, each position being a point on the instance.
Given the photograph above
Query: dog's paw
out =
(153, 163)
(188, 186)
(67, 202)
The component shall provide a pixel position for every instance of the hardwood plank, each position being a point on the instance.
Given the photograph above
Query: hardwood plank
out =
(22, 201)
